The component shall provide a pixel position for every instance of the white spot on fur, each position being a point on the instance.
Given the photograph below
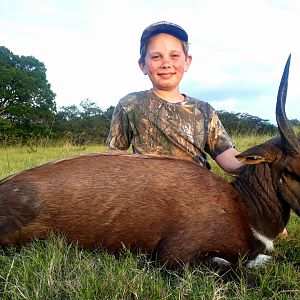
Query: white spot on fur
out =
(259, 260)
(266, 241)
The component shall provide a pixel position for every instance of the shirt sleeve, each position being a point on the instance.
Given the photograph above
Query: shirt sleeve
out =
(120, 133)
(218, 139)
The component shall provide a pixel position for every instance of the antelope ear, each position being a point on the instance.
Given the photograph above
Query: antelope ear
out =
(262, 153)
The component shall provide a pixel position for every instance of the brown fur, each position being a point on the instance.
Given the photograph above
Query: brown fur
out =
(171, 208)
(157, 204)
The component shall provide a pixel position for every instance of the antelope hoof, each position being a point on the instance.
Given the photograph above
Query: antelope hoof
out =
(260, 260)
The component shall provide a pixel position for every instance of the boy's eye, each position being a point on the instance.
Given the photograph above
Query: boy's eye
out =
(154, 56)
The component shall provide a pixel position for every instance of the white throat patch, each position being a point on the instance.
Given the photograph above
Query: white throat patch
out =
(266, 241)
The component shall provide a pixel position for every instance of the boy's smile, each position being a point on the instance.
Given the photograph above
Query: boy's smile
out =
(165, 64)
(166, 75)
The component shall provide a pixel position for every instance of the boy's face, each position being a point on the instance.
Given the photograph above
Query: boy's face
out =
(165, 62)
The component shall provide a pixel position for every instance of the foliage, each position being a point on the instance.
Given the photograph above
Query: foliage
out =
(27, 103)
(28, 109)
(295, 122)
(86, 124)
(89, 123)
(242, 123)
(296, 126)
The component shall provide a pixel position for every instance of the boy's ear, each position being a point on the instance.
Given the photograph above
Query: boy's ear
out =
(142, 67)
(188, 61)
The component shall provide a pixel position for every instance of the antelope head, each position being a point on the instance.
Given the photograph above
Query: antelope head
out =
(281, 153)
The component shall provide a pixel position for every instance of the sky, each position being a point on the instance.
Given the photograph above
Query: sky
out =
(90, 48)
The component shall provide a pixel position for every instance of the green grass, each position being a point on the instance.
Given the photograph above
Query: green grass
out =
(54, 269)
(14, 159)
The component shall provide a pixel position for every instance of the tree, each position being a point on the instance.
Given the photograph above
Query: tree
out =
(90, 108)
(108, 113)
(296, 126)
(295, 122)
(27, 103)
(67, 113)
(86, 124)
(242, 123)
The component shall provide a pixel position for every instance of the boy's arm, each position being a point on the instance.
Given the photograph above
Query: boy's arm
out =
(120, 133)
(227, 161)
(111, 150)
(220, 146)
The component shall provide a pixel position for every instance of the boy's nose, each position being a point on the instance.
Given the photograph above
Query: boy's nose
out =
(165, 64)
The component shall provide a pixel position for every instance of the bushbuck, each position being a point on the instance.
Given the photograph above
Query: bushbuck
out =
(175, 210)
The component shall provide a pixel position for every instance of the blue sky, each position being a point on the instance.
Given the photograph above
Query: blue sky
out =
(90, 48)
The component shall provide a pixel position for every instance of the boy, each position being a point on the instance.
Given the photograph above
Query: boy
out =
(163, 121)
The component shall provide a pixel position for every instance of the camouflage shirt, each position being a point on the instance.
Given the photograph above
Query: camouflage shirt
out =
(153, 126)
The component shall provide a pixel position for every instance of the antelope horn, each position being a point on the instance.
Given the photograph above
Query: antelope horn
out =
(286, 131)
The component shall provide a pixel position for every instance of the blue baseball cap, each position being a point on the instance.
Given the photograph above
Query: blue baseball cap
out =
(163, 27)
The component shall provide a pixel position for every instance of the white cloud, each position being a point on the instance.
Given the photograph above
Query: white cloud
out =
(91, 48)
(229, 104)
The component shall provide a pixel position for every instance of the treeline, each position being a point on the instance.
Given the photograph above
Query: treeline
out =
(84, 124)
(80, 125)
(28, 109)
(27, 105)
(242, 123)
